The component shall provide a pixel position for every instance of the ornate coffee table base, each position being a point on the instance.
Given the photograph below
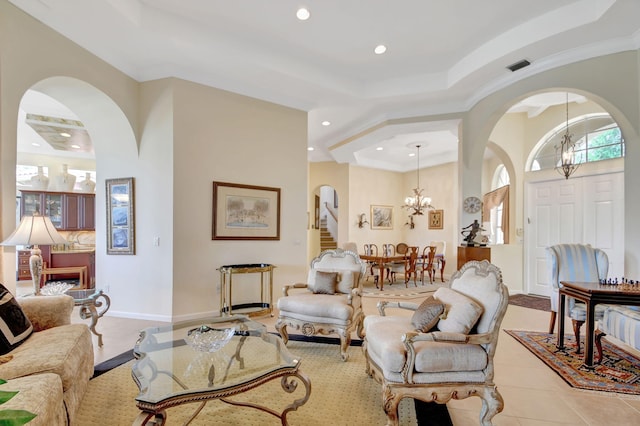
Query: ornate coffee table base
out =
(155, 414)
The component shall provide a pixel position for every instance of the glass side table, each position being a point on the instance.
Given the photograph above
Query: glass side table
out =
(93, 305)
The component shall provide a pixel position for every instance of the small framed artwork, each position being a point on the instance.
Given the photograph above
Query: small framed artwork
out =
(245, 212)
(120, 216)
(436, 219)
(381, 217)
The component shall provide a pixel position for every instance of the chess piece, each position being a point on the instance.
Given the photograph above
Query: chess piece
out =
(65, 181)
(40, 181)
(87, 185)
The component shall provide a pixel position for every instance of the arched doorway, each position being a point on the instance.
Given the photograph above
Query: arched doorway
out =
(107, 128)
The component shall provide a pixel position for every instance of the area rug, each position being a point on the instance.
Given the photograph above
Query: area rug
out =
(398, 290)
(619, 371)
(341, 394)
(540, 303)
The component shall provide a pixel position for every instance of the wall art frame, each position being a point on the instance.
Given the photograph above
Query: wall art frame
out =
(381, 217)
(120, 216)
(436, 219)
(245, 212)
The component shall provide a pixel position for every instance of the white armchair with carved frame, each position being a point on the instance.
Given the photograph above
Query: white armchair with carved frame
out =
(330, 301)
(453, 358)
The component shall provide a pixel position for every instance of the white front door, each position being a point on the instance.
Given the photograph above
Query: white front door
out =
(588, 210)
(555, 215)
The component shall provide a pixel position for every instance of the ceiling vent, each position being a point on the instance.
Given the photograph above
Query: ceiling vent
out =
(518, 65)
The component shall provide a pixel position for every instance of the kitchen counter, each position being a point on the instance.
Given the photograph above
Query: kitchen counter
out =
(72, 251)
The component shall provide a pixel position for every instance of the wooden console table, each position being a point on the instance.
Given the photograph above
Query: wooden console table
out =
(592, 294)
(466, 254)
(266, 288)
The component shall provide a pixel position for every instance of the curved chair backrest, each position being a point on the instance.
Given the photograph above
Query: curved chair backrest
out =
(576, 262)
(350, 246)
(402, 248)
(389, 249)
(441, 247)
(339, 260)
(370, 249)
(482, 281)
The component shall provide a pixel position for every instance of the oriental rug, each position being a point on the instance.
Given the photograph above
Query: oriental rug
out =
(540, 303)
(619, 371)
(341, 394)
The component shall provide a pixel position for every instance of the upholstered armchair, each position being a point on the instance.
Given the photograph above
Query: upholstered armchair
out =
(445, 349)
(578, 263)
(330, 301)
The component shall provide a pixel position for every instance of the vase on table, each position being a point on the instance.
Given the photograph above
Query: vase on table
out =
(40, 181)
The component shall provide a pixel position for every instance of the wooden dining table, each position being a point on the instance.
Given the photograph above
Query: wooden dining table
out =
(381, 262)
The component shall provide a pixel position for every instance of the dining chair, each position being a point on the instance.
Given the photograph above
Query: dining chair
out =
(371, 250)
(426, 263)
(397, 266)
(439, 257)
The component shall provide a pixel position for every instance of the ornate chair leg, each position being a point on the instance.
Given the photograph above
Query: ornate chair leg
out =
(576, 331)
(281, 327)
(552, 322)
(492, 404)
(390, 403)
(345, 341)
(599, 336)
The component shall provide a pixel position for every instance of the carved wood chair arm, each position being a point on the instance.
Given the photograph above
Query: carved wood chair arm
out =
(286, 288)
(384, 304)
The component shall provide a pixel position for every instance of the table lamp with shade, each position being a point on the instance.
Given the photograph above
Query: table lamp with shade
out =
(34, 231)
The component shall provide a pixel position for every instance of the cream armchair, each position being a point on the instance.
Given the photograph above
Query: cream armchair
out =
(445, 349)
(330, 301)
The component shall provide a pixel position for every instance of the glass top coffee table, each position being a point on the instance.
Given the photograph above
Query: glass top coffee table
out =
(169, 372)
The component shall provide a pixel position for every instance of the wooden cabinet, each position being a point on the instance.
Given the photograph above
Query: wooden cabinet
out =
(24, 273)
(69, 211)
(466, 254)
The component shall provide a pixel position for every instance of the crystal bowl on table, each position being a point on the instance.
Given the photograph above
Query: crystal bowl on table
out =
(55, 288)
(207, 339)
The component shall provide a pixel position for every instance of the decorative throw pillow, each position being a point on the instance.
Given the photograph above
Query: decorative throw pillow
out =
(347, 280)
(427, 315)
(461, 312)
(325, 282)
(15, 327)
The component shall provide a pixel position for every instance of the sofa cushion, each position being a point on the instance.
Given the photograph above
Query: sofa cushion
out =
(316, 307)
(427, 315)
(346, 279)
(66, 351)
(15, 327)
(461, 312)
(41, 395)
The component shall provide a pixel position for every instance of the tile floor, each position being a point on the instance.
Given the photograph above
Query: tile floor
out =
(534, 395)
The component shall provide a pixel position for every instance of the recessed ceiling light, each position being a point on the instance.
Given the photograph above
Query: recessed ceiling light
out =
(35, 144)
(75, 146)
(380, 49)
(65, 134)
(303, 14)
(413, 154)
(379, 148)
(326, 123)
(310, 148)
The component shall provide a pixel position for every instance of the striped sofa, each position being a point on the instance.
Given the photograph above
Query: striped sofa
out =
(623, 323)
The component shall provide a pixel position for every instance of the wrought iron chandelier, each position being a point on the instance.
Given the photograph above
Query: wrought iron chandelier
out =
(566, 152)
(417, 202)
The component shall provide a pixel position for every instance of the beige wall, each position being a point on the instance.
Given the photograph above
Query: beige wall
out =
(189, 135)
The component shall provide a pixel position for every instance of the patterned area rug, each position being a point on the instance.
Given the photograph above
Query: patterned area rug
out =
(619, 371)
(335, 385)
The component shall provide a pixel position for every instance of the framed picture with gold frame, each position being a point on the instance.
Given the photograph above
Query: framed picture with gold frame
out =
(245, 212)
(436, 219)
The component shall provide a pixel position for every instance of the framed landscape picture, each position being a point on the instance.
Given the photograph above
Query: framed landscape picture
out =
(381, 217)
(245, 212)
(120, 216)
(436, 219)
